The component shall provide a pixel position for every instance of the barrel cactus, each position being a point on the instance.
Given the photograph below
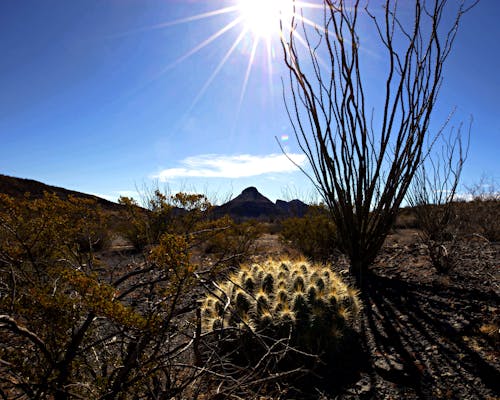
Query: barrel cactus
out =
(305, 304)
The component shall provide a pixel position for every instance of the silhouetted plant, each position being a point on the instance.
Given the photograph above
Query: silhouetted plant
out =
(362, 159)
(432, 195)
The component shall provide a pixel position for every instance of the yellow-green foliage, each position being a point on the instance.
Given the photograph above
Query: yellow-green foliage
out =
(179, 213)
(314, 234)
(306, 302)
(48, 267)
(34, 229)
(187, 215)
(73, 325)
(225, 238)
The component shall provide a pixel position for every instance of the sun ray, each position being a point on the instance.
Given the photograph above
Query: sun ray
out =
(205, 43)
(245, 83)
(250, 15)
(247, 73)
(303, 42)
(269, 51)
(197, 17)
(188, 54)
(217, 69)
(321, 28)
(332, 34)
(267, 40)
(192, 18)
(305, 4)
(317, 6)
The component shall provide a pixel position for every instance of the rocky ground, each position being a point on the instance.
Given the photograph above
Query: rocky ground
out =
(423, 334)
(432, 335)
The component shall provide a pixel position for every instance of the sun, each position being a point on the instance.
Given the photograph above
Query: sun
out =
(262, 17)
(256, 22)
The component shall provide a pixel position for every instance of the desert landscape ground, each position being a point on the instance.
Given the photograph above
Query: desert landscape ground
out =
(385, 285)
(422, 333)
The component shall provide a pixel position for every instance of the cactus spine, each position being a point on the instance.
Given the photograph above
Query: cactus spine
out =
(306, 301)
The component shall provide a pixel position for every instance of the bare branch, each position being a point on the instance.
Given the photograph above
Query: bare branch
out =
(363, 165)
(11, 324)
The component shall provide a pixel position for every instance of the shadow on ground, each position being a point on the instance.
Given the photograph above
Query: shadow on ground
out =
(423, 342)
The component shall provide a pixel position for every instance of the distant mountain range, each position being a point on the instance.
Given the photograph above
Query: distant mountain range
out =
(250, 204)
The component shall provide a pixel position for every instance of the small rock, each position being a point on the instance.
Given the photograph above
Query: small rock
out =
(397, 366)
(363, 386)
(382, 365)
(389, 367)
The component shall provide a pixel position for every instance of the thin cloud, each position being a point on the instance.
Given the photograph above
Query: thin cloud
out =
(237, 166)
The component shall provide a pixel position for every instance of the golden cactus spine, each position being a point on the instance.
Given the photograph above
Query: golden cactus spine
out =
(308, 300)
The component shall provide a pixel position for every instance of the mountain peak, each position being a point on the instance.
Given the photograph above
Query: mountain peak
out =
(251, 192)
(249, 204)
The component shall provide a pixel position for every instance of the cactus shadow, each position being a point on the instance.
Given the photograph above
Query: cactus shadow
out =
(340, 369)
(330, 374)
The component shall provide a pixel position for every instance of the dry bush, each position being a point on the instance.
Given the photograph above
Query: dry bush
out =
(314, 234)
(189, 215)
(71, 327)
(406, 219)
(478, 218)
(179, 213)
(480, 215)
(272, 228)
(432, 195)
(230, 241)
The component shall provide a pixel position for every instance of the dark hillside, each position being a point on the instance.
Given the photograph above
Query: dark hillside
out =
(17, 187)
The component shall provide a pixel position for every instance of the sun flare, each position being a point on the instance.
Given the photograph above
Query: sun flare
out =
(262, 17)
(259, 31)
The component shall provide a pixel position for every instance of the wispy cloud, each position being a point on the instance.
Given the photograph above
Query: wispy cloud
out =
(236, 166)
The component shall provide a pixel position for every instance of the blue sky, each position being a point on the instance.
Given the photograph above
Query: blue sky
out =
(104, 96)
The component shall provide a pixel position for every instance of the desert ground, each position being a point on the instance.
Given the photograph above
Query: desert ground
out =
(423, 334)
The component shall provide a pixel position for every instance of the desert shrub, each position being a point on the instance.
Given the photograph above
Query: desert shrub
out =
(480, 215)
(279, 318)
(456, 217)
(432, 194)
(272, 228)
(229, 240)
(486, 189)
(35, 228)
(314, 234)
(72, 327)
(179, 213)
(437, 231)
(406, 219)
(135, 226)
